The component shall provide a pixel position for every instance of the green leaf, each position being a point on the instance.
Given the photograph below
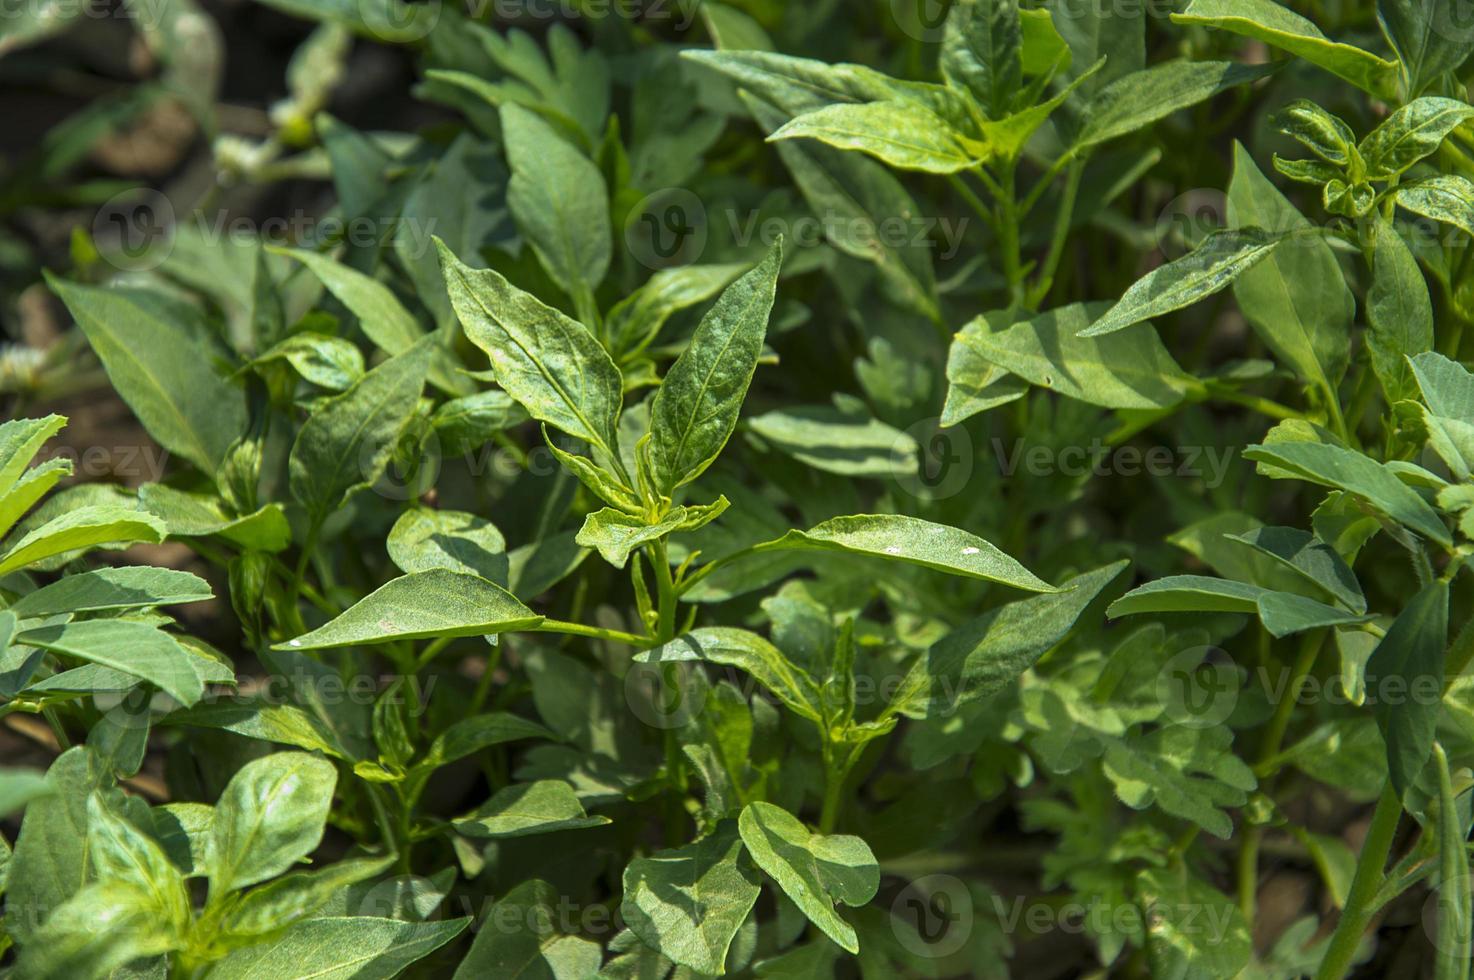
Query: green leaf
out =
(1127, 369)
(470, 735)
(552, 365)
(1454, 901)
(903, 135)
(20, 441)
(328, 362)
(423, 539)
(118, 852)
(19, 787)
(1281, 27)
(914, 541)
(981, 53)
(1177, 906)
(860, 194)
(543, 807)
(1399, 312)
(1321, 132)
(974, 383)
(1346, 469)
(635, 321)
(34, 484)
(345, 444)
(135, 648)
(1296, 298)
(350, 948)
(161, 368)
(194, 515)
(533, 944)
(560, 202)
(1187, 772)
(80, 530)
(1313, 564)
(130, 587)
(1447, 389)
(1095, 31)
(986, 655)
(50, 860)
(1218, 261)
(750, 653)
(814, 870)
(270, 816)
(689, 902)
(843, 438)
(799, 85)
(615, 534)
(695, 410)
(433, 603)
(99, 930)
(1447, 198)
(1283, 613)
(1139, 99)
(291, 898)
(1412, 653)
(1430, 37)
(1413, 132)
(266, 720)
(385, 321)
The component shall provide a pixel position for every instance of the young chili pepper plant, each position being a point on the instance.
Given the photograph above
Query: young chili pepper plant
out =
(688, 489)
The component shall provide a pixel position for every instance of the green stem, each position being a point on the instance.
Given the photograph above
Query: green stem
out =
(428, 654)
(484, 682)
(309, 545)
(835, 773)
(1274, 734)
(1042, 184)
(665, 631)
(592, 632)
(973, 201)
(1370, 868)
(1247, 873)
(1062, 221)
(1247, 869)
(1008, 222)
(665, 608)
(1264, 406)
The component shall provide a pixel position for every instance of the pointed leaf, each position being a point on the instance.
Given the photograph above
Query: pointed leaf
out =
(433, 603)
(695, 410)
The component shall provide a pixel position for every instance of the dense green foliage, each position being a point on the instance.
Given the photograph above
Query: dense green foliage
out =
(768, 490)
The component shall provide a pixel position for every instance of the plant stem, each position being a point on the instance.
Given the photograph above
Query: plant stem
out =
(1008, 227)
(1370, 869)
(835, 773)
(1264, 406)
(592, 632)
(309, 545)
(433, 648)
(1247, 868)
(665, 593)
(665, 631)
(1062, 221)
